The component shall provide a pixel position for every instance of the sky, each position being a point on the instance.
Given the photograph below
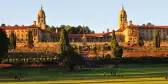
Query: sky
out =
(97, 14)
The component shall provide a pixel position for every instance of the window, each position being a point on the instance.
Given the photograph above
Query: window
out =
(130, 38)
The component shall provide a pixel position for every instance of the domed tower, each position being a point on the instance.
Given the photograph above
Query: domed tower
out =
(122, 19)
(41, 22)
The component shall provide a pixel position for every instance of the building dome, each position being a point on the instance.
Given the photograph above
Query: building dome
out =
(41, 13)
(122, 12)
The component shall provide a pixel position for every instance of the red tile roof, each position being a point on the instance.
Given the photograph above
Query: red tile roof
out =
(52, 32)
(119, 30)
(17, 27)
(150, 27)
(88, 35)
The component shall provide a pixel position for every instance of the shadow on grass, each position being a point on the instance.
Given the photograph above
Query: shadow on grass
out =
(53, 73)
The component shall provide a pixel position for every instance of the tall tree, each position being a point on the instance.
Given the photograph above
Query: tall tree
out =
(30, 39)
(140, 40)
(114, 44)
(12, 39)
(116, 50)
(4, 42)
(64, 41)
(156, 39)
(67, 55)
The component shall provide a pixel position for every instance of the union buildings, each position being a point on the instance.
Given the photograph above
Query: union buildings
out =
(127, 33)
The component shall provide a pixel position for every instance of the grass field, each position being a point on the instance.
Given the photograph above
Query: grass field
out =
(132, 74)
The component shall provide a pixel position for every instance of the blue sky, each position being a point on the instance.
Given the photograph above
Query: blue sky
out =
(97, 14)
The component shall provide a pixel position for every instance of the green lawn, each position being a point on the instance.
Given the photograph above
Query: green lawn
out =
(137, 74)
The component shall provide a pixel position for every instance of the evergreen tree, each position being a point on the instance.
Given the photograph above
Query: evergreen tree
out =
(4, 42)
(116, 50)
(156, 40)
(67, 54)
(64, 41)
(30, 39)
(114, 43)
(12, 39)
(141, 42)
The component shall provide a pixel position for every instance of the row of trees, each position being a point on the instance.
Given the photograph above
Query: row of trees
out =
(69, 57)
(72, 29)
(12, 40)
(10, 43)
(156, 39)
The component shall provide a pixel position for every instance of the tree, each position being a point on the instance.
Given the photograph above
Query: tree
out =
(76, 30)
(62, 26)
(71, 59)
(16, 25)
(95, 50)
(67, 54)
(156, 39)
(30, 39)
(4, 42)
(114, 44)
(3, 24)
(12, 39)
(50, 28)
(141, 42)
(64, 41)
(116, 50)
(149, 24)
(68, 28)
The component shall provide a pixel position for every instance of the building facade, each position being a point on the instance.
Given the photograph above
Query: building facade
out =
(127, 34)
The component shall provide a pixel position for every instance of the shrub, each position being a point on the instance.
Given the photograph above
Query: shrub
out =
(107, 56)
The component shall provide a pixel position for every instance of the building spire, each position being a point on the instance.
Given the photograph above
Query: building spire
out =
(122, 7)
(41, 7)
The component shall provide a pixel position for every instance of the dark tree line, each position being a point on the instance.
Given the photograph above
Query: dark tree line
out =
(148, 24)
(72, 29)
(4, 44)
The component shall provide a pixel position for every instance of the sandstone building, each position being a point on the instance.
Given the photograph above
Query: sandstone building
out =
(127, 33)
